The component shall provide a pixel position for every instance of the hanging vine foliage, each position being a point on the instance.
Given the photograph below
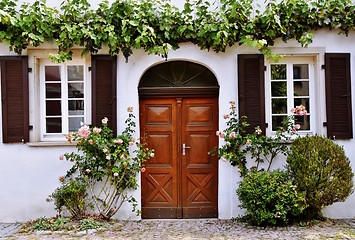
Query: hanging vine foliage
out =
(158, 26)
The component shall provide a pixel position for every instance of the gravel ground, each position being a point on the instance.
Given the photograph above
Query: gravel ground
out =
(190, 229)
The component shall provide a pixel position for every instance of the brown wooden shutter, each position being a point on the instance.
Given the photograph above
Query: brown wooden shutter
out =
(104, 90)
(338, 95)
(251, 90)
(14, 99)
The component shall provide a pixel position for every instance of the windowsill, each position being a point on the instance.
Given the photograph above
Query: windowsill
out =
(51, 144)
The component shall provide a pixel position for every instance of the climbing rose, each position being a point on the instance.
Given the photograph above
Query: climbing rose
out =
(130, 109)
(232, 135)
(61, 157)
(143, 169)
(118, 141)
(115, 174)
(152, 155)
(225, 116)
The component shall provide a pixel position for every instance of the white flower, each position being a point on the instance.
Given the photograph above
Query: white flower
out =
(115, 174)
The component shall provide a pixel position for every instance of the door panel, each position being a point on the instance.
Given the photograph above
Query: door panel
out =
(199, 168)
(179, 183)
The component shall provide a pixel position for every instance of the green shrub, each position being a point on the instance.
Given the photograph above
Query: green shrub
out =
(269, 198)
(70, 195)
(320, 168)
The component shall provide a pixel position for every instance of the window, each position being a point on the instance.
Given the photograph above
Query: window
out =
(64, 100)
(289, 84)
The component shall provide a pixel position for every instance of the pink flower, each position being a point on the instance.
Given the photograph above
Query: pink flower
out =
(294, 130)
(61, 157)
(143, 169)
(84, 131)
(91, 141)
(61, 179)
(152, 155)
(232, 102)
(96, 130)
(118, 141)
(248, 142)
(232, 135)
(222, 134)
(87, 170)
(130, 109)
(299, 110)
(228, 143)
(108, 157)
(226, 116)
(297, 126)
(104, 120)
(217, 133)
(258, 131)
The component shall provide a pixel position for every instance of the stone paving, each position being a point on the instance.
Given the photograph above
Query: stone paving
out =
(191, 230)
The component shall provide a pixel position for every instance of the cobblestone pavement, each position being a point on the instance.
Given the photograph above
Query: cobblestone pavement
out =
(191, 229)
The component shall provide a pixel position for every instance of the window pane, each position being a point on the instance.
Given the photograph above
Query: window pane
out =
(74, 123)
(301, 88)
(279, 106)
(278, 72)
(76, 107)
(52, 73)
(277, 122)
(53, 90)
(304, 121)
(75, 73)
(300, 71)
(75, 90)
(304, 102)
(278, 89)
(54, 125)
(53, 108)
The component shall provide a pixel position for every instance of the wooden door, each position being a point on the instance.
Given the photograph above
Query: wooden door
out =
(181, 180)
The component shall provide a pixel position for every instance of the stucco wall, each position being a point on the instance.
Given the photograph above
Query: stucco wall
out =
(29, 174)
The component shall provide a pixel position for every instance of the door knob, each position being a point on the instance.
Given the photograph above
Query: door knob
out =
(184, 147)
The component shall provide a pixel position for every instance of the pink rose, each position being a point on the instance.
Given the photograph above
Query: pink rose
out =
(232, 135)
(96, 130)
(61, 157)
(130, 109)
(84, 131)
(152, 155)
(226, 116)
(143, 169)
(118, 141)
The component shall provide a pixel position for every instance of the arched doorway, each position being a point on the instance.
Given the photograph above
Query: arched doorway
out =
(179, 119)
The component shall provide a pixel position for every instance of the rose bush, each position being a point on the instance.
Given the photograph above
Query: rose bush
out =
(261, 148)
(108, 164)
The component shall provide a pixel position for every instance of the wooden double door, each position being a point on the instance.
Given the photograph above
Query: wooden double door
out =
(181, 180)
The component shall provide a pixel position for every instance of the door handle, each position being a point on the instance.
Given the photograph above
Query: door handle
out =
(184, 147)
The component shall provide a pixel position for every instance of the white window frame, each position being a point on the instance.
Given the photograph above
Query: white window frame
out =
(58, 137)
(289, 61)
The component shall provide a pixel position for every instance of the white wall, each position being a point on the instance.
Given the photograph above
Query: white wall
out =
(29, 174)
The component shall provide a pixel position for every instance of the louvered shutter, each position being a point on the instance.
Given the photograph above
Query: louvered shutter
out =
(104, 90)
(338, 95)
(251, 90)
(14, 99)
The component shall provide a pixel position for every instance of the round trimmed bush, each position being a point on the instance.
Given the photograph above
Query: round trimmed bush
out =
(269, 198)
(320, 169)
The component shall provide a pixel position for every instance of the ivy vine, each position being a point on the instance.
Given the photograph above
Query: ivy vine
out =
(158, 26)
